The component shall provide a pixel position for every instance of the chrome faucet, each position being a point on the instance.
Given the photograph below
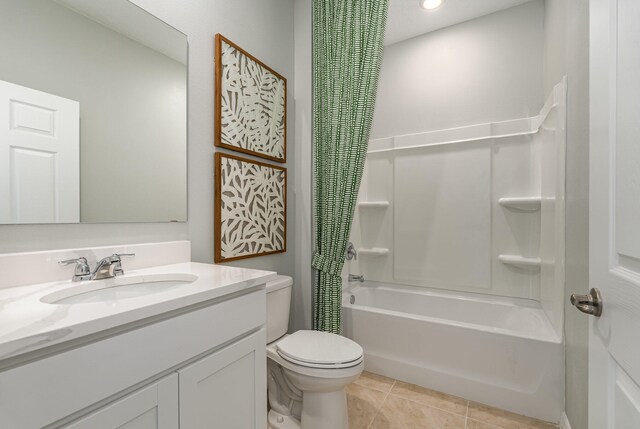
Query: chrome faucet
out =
(82, 271)
(111, 266)
(356, 278)
(106, 268)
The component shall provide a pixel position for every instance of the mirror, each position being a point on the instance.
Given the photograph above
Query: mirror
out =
(93, 113)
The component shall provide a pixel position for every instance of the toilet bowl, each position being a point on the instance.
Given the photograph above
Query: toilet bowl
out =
(307, 371)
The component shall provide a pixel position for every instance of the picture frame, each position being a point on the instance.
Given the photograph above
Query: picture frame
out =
(250, 103)
(250, 216)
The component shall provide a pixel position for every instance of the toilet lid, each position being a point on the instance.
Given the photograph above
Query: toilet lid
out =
(319, 349)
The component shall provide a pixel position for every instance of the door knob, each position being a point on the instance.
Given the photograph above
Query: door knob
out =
(590, 304)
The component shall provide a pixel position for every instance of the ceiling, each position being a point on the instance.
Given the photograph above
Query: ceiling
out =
(407, 19)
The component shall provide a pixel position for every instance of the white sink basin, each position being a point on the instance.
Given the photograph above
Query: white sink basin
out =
(118, 288)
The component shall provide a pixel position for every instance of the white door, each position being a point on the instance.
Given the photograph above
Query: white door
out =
(152, 407)
(39, 157)
(227, 389)
(614, 337)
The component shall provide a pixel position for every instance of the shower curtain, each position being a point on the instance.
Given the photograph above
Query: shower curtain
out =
(348, 40)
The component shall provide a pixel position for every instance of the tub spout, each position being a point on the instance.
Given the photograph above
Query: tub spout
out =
(355, 278)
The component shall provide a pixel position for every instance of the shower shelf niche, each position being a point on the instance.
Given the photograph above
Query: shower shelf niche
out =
(374, 251)
(520, 261)
(373, 204)
(529, 204)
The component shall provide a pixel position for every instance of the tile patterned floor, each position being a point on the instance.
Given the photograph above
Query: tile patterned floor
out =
(377, 402)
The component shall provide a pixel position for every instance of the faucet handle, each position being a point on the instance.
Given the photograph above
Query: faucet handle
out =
(82, 266)
(351, 252)
(119, 255)
(118, 271)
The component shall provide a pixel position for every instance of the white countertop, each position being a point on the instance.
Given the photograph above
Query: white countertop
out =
(27, 324)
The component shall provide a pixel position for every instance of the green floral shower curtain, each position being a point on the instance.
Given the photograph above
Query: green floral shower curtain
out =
(347, 53)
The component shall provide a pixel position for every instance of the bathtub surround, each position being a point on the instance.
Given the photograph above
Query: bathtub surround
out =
(347, 47)
(498, 229)
(495, 230)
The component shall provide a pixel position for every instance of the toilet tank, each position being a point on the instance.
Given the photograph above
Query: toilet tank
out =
(278, 305)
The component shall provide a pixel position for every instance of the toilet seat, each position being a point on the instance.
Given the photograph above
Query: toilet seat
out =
(321, 365)
(314, 349)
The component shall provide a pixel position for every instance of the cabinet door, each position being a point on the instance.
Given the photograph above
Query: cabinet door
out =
(227, 389)
(152, 407)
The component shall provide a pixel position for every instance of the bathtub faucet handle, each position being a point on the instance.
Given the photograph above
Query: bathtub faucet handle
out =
(351, 252)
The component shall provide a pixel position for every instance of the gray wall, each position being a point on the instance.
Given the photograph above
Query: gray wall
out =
(484, 70)
(264, 29)
(301, 312)
(567, 52)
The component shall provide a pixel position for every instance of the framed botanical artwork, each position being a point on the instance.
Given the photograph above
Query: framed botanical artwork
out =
(250, 105)
(250, 208)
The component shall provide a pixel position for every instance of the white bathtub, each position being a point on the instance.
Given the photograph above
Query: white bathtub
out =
(498, 351)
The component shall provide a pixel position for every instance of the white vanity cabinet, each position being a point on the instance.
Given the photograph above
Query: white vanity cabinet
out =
(224, 389)
(152, 407)
(203, 366)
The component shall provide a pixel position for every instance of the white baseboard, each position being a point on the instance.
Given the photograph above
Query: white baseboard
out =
(564, 422)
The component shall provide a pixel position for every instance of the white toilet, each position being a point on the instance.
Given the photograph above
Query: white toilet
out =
(307, 371)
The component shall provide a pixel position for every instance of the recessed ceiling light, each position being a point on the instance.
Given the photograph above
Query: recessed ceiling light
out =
(430, 4)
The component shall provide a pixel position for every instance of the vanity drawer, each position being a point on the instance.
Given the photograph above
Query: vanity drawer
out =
(42, 392)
